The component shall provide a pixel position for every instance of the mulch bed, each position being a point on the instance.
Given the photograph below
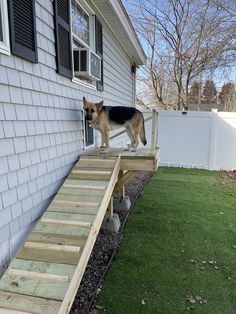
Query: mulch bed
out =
(103, 252)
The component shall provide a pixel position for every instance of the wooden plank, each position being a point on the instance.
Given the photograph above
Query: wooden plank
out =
(69, 217)
(23, 304)
(88, 198)
(59, 222)
(35, 254)
(92, 172)
(57, 239)
(124, 179)
(43, 267)
(95, 160)
(81, 193)
(73, 209)
(97, 183)
(91, 176)
(70, 294)
(76, 203)
(61, 230)
(33, 287)
(40, 276)
(136, 165)
(9, 311)
(52, 247)
(84, 187)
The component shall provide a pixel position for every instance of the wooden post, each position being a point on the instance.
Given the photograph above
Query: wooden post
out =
(109, 212)
(154, 131)
(121, 192)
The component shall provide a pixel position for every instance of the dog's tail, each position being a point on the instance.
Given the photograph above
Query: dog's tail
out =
(142, 133)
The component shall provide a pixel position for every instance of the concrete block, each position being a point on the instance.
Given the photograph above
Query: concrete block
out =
(19, 144)
(8, 129)
(9, 197)
(13, 162)
(7, 147)
(9, 111)
(123, 204)
(112, 224)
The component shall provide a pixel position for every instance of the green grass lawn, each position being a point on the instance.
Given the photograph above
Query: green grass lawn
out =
(182, 215)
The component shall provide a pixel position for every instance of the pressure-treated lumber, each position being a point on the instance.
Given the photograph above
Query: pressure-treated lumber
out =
(47, 270)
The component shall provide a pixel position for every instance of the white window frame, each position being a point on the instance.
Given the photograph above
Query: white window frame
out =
(5, 45)
(91, 15)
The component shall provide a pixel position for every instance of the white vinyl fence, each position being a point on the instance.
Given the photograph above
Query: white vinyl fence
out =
(198, 139)
(204, 140)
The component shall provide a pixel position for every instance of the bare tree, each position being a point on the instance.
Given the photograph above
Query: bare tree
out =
(184, 39)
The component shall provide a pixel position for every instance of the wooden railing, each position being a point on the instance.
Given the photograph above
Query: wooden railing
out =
(153, 117)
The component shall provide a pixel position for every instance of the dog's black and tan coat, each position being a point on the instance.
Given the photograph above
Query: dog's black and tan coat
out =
(106, 118)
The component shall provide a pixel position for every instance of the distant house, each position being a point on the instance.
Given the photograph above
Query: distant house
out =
(52, 53)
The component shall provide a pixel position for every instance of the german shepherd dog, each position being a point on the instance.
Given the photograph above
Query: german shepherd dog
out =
(106, 118)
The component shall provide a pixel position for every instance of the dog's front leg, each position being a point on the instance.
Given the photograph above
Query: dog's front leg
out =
(105, 140)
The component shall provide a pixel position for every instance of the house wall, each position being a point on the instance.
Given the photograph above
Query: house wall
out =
(41, 129)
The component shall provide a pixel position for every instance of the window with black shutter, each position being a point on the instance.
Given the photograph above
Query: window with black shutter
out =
(63, 37)
(99, 49)
(23, 29)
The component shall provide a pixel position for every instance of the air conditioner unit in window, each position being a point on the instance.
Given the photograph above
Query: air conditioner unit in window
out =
(87, 64)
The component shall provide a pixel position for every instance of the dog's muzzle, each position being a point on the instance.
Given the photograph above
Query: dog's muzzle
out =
(89, 118)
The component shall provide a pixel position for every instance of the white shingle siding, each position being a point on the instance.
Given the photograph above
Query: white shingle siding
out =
(41, 131)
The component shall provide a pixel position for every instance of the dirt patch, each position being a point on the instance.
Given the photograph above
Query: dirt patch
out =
(103, 252)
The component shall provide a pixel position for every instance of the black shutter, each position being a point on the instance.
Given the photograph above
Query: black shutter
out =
(99, 49)
(63, 37)
(23, 29)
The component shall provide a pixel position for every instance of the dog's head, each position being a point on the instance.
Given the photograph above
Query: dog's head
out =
(92, 110)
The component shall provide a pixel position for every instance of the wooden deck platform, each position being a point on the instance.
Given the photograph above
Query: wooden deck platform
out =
(45, 274)
(143, 159)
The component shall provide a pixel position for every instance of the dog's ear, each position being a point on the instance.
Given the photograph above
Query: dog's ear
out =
(84, 101)
(99, 105)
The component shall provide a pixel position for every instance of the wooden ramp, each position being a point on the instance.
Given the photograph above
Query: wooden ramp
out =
(46, 272)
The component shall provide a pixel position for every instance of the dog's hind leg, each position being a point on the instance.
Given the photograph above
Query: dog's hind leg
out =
(129, 132)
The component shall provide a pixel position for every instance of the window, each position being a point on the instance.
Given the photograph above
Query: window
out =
(4, 28)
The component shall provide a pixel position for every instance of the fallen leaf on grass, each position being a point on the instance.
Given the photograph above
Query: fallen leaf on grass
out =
(193, 261)
(234, 246)
(99, 307)
(143, 302)
(197, 298)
